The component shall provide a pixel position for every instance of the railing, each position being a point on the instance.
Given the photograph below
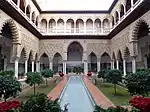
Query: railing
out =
(75, 31)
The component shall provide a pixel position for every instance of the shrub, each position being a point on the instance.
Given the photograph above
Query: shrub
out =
(114, 76)
(46, 74)
(9, 87)
(102, 74)
(40, 103)
(34, 78)
(141, 103)
(138, 83)
(7, 73)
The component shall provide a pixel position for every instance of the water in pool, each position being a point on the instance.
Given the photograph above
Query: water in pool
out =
(76, 96)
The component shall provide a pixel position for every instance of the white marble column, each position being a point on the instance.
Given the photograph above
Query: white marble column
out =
(37, 66)
(47, 27)
(133, 65)
(117, 63)
(50, 65)
(98, 65)
(26, 66)
(16, 68)
(74, 27)
(85, 67)
(112, 65)
(32, 66)
(93, 27)
(64, 68)
(85, 27)
(124, 67)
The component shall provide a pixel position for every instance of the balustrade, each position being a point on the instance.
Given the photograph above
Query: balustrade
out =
(85, 30)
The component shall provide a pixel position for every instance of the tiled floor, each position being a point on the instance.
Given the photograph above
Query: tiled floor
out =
(97, 95)
(55, 93)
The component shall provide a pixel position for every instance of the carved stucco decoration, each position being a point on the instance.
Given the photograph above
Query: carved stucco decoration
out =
(14, 30)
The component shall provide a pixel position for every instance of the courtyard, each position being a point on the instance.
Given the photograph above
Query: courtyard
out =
(74, 58)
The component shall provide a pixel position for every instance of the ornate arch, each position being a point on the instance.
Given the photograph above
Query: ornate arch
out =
(113, 56)
(24, 51)
(14, 30)
(136, 30)
(126, 52)
(119, 55)
(44, 52)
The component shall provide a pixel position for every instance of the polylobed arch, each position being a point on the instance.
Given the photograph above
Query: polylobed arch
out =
(128, 5)
(57, 62)
(28, 11)
(113, 56)
(23, 53)
(119, 55)
(31, 56)
(14, 30)
(141, 29)
(74, 49)
(126, 52)
(105, 61)
(44, 61)
(122, 10)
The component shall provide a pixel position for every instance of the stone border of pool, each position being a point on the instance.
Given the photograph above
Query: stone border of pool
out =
(55, 93)
(97, 95)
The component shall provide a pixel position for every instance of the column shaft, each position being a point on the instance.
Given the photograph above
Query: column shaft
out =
(133, 65)
(124, 67)
(51, 65)
(64, 68)
(117, 63)
(32, 66)
(85, 67)
(26, 66)
(98, 66)
(16, 68)
(37, 66)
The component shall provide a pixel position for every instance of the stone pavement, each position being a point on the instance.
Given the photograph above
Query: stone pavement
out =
(97, 95)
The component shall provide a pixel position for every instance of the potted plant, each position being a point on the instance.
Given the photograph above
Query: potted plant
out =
(89, 74)
(61, 74)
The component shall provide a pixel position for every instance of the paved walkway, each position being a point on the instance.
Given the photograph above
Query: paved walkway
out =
(97, 95)
(55, 93)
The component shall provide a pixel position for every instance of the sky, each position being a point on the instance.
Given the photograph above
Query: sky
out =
(76, 5)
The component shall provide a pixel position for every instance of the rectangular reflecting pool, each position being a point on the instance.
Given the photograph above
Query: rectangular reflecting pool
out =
(77, 96)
